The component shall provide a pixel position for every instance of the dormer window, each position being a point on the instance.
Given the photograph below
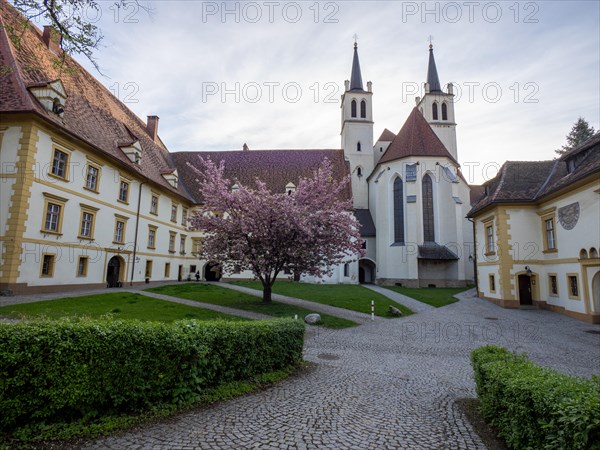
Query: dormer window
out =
(290, 188)
(57, 107)
(51, 95)
(133, 152)
(235, 188)
(172, 178)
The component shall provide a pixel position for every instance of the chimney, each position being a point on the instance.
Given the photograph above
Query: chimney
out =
(152, 127)
(245, 148)
(52, 38)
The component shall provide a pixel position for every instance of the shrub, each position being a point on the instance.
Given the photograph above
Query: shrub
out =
(534, 407)
(71, 369)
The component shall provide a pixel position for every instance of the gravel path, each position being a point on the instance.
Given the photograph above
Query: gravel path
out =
(388, 384)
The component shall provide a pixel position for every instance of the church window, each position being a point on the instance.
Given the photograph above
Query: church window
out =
(428, 228)
(444, 111)
(398, 211)
(380, 149)
(346, 270)
(353, 108)
(363, 109)
(358, 147)
(434, 111)
(359, 172)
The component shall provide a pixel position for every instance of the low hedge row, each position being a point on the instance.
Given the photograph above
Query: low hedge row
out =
(534, 407)
(79, 369)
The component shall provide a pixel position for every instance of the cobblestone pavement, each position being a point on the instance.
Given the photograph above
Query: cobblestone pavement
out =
(411, 303)
(388, 384)
(312, 306)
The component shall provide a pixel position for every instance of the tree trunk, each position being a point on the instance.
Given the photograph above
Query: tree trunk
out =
(266, 293)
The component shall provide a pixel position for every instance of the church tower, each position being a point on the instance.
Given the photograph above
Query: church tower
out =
(357, 132)
(437, 107)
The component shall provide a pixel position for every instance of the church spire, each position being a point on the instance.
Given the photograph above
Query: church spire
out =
(356, 78)
(432, 76)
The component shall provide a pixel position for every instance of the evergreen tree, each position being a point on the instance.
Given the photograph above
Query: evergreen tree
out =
(580, 133)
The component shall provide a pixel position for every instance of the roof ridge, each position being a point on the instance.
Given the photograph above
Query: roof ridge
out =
(548, 178)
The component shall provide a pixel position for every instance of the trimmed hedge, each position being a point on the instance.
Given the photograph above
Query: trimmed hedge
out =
(534, 407)
(79, 369)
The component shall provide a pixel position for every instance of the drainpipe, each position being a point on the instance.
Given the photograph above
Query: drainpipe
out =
(137, 223)
(475, 255)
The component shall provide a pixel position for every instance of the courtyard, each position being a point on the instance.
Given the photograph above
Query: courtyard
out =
(384, 384)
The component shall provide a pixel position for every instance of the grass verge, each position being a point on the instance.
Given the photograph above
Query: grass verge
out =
(74, 434)
(121, 305)
(346, 296)
(210, 293)
(437, 297)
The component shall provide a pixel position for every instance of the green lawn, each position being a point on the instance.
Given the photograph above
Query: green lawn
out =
(432, 296)
(122, 305)
(347, 296)
(217, 295)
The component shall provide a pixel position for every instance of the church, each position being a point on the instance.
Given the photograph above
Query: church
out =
(92, 197)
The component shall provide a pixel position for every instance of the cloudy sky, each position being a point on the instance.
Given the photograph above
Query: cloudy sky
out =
(270, 74)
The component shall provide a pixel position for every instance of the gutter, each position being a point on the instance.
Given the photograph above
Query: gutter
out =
(475, 255)
(135, 239)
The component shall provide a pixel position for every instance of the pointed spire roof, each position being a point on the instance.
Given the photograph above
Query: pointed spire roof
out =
(416, 138)
(356, 83)
(432, 75)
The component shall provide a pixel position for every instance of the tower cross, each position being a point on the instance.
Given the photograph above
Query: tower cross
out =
(430, 41)
(355, 38)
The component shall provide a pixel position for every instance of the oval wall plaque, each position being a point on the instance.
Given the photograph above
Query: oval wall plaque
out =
(569, 215)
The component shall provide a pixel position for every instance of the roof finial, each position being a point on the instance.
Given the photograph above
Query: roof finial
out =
(355, 40)
(430, 42)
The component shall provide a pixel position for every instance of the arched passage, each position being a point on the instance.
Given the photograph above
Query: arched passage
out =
(212, 271)
(366, 271)
(115, 271)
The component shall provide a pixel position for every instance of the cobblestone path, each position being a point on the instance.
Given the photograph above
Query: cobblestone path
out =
(387, 384)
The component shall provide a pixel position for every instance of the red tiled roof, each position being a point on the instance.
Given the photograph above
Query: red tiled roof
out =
(92, 114)
(386, 136)
(415, 138)
(276, 168)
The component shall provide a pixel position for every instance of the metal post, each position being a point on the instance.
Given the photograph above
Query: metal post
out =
(372, 309)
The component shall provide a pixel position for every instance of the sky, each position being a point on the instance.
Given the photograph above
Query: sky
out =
(271, 74)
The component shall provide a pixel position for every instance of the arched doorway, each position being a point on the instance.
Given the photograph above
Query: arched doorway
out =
(114, 272)
(212, 271)
(596, 292)
(366, 271)
(525, 297)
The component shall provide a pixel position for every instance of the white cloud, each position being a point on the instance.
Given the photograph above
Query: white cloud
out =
(173, 55)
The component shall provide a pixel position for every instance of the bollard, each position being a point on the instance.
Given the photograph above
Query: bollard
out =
(372, 309)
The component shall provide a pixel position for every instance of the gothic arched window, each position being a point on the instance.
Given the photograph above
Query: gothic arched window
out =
(358, 147)
(428, 228)
(353, 108)
(398, 211)
(434, 111)
(363, 109)
(359, 172)
(444, 111)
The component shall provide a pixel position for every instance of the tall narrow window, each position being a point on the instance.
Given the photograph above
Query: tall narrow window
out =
(434, 111)
(363, 109)
(358, 147)
(87, 222)
(154, 205)
(47, 266)
(444, 111)
(353, 108)
(550, 240)
(428, 229)
(346, 270)
(358, 172)
(398, 211)
(489, 240)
